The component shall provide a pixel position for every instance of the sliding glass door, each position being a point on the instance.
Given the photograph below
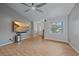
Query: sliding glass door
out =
(54, 30)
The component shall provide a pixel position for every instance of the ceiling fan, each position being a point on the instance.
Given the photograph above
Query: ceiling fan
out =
(34, 7)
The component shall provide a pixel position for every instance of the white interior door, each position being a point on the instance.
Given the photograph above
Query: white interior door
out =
(38, 28)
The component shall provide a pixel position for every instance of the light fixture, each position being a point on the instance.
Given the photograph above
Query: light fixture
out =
(33, 8)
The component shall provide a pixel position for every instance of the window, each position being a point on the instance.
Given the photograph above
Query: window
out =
(57, 27)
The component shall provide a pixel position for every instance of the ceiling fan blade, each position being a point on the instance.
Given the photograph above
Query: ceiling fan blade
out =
(26, 4)
(27, 10)
(42, 4)
(39, 10)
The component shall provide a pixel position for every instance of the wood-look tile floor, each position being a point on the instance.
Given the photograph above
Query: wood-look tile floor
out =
(35, 46)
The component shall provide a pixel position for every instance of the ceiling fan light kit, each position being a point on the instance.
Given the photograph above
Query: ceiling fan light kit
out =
(34, 7)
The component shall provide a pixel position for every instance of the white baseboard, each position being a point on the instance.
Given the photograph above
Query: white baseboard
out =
(73, 47)
(55, 39)
(66, 42)
(13, 42)
(5, 44)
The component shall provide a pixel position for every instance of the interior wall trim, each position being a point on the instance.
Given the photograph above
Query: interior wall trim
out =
(66, 42)
(6, 44)
(76, 50)
(13, 41)
(55, 39)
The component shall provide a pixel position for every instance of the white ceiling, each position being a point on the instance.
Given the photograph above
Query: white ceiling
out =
(50, 10)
